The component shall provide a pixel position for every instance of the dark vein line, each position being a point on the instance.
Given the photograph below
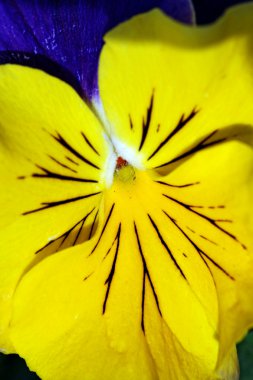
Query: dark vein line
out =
(47, 205)
(109, 279)
(210, 207)
(65, 237)
(143, 301)
(166, 246)
(145, 273)
(200, 146)
(65, 234)
(217, 265)
(62, 165)
(182, 122)
(209, 240)
(79, 232)
(200, 252)
(109, 250)
(89, 143)
(190, 229)
(88, 276)
(130, 122)
(52, 175)
(146, 124)
(213, 222)
(49, 243)
(93, 224)
(66, 145)
(70, 159)
(103, 230)
(178, 186)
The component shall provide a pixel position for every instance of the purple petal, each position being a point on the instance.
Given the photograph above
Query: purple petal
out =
(69, 33)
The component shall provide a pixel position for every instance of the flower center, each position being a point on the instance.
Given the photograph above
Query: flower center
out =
(124, 171)
(121, 162)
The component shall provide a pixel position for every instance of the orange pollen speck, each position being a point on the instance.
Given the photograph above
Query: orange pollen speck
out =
(121, 162)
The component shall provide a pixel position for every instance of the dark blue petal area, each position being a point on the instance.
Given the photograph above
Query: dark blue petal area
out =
(209, 10)
(69, 32)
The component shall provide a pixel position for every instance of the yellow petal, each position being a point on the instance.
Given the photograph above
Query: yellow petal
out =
(215, 201)
(169, 90)
(129, 303)
(53, 160)
(178, 92)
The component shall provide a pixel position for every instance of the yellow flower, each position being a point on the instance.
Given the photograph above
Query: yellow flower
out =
(126, 238)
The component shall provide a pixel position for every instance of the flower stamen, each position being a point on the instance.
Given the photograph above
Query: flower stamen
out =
(124, 171)
(121, 162)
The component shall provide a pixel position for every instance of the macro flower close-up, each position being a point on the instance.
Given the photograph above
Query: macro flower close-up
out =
(126, 158)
